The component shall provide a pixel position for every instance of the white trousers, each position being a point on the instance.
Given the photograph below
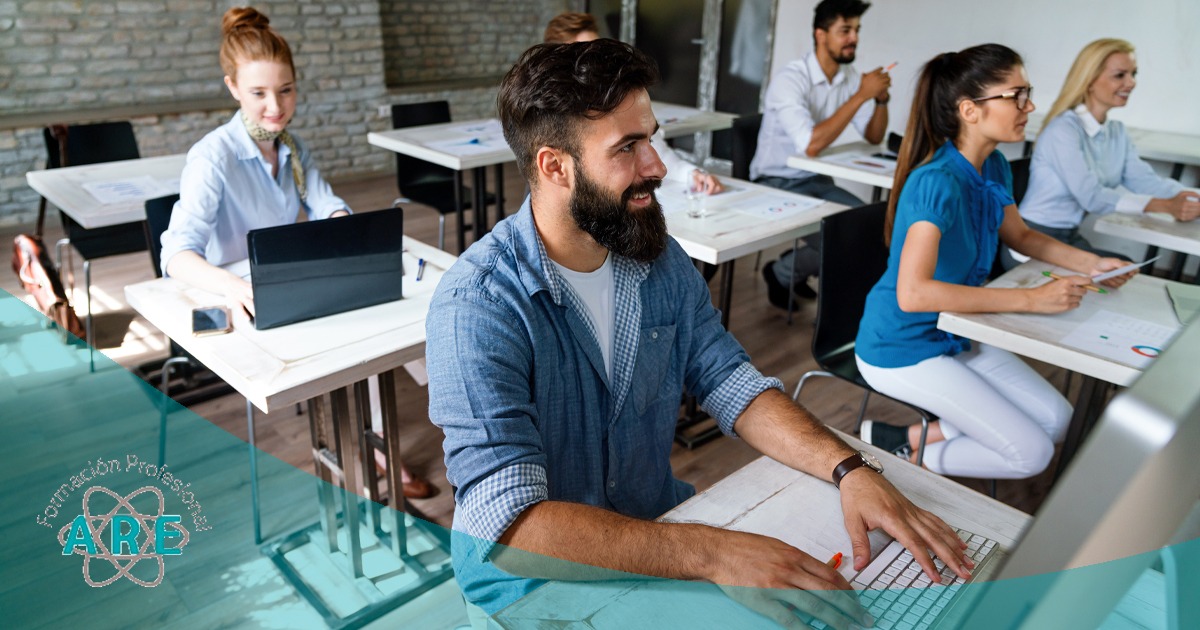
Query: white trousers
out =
(1001, 419)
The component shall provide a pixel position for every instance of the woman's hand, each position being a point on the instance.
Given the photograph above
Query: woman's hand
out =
(239, 297)
(1058, 295)
(1108, 264)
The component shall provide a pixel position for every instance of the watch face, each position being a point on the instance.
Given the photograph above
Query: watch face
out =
(872, 462)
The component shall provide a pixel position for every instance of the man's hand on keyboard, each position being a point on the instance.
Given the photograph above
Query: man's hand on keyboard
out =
(870, 501)
(783, 583)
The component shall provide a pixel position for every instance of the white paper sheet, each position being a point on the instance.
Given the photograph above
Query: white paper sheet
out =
(480, 128)
(1126, 340)
(130, 189)
(769, 206)
(468, 146)
(864, 162)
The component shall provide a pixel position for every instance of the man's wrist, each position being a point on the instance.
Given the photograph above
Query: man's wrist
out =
(883, 101)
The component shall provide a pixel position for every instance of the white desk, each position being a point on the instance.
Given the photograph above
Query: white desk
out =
(64, 188)
(476, 144)
(1177, 148)
(1151, 230)
(277, 368)
(854, 161)
(768, 498)
(1040, 336)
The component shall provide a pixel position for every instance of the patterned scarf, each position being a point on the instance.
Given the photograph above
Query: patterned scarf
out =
(257, 132)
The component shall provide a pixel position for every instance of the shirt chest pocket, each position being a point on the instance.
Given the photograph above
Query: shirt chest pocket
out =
(655, 347)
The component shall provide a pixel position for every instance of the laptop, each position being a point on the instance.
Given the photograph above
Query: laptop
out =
(313, 269)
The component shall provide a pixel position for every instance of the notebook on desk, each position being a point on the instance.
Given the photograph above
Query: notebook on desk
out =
(307, 270)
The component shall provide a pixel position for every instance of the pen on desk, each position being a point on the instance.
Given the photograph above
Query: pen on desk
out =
(835, 561)
(420, 268)
(1089, 287)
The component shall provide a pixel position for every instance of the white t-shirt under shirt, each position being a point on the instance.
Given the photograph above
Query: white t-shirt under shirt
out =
(595, 290)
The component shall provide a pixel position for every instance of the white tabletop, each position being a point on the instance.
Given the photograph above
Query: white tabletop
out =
(854, 161)
(1153, 228)
(463, 145)
(282, 366)
(745, 219)
(63, 187)
(1041, 336)
(768, 498)
(1165, 146)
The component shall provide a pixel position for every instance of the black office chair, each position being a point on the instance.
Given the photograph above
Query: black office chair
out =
(853, 258)
(1020, 182)
(198, 384)
(742, 150)
(425, 182)
(745, 143)
(79, 145)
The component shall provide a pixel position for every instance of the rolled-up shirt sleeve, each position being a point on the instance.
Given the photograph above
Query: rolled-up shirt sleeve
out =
(718, 369)
(480, 396)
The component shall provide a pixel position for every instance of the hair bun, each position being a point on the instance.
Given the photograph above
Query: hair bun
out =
(243, 17)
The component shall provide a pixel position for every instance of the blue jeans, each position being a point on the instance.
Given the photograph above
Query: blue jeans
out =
(808, 258)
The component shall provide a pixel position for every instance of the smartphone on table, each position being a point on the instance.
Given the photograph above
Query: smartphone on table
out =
(211, 320)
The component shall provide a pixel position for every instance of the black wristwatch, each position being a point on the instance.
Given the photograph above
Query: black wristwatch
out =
(857, 460)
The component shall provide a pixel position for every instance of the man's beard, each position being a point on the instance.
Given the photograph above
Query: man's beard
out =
(843, 59)
(640, 234)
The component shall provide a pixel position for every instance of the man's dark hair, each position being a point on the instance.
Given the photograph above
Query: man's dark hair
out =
(828, 12)
(553, 87)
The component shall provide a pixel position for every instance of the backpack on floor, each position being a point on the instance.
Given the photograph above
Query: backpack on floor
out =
(33, 266)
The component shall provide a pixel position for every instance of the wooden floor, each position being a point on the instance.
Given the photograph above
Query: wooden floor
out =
(775, 347)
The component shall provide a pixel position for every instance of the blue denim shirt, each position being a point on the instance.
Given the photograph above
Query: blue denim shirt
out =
(518, 385)
(226, 190)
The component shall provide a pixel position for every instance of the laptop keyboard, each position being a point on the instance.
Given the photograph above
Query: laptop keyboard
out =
(893, 587)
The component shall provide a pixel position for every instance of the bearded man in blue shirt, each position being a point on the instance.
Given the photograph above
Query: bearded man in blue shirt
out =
(559, 344)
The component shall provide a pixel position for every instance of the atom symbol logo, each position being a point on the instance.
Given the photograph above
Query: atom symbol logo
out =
(87, 531)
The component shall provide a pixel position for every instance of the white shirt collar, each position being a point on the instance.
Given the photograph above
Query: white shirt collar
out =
(816, 74)
(1090, 125)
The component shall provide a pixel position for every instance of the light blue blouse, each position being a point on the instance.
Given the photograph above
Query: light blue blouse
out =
(1078, 165)
(226, 190)
(967, 208)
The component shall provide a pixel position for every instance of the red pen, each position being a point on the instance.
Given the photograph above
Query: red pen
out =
(889, 68)
(835, 561)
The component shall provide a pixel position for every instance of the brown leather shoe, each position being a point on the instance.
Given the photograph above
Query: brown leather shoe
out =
(417, 488)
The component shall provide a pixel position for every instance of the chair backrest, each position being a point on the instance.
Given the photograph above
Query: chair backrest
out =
(417, 179)
(745, 143)
(95, 144)
(853, 258)
(158, 218)
(92, 144)
(1020, 177)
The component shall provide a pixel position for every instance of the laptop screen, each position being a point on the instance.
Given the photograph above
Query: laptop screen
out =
(317, 268)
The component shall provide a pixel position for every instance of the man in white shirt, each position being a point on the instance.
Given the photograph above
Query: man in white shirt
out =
(808, 105)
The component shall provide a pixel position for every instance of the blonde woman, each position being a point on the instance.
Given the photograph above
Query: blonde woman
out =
(1084, 160)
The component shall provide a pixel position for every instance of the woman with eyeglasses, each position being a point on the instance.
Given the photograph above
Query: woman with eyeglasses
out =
(951, 206)
(1085, 162)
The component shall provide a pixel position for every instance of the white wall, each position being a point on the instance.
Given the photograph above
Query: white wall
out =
(1047, 33)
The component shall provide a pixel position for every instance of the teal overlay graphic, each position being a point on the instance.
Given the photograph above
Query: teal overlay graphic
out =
(65, 429)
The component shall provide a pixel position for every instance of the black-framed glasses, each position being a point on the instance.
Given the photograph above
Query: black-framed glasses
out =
(1020, 96)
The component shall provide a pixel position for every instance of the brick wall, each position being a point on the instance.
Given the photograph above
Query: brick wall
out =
(60, 59)
(430, 40)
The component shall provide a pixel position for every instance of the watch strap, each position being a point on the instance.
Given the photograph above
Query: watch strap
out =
(847, 466)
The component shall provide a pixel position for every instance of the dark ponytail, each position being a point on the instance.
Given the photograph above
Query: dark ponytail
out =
(944, 82)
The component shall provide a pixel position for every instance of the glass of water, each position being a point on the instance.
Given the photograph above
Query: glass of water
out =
(696, 195)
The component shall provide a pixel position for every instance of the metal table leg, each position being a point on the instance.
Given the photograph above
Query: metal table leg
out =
(458, 212)
(481, 210)
(346, 441)
(499, 192)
